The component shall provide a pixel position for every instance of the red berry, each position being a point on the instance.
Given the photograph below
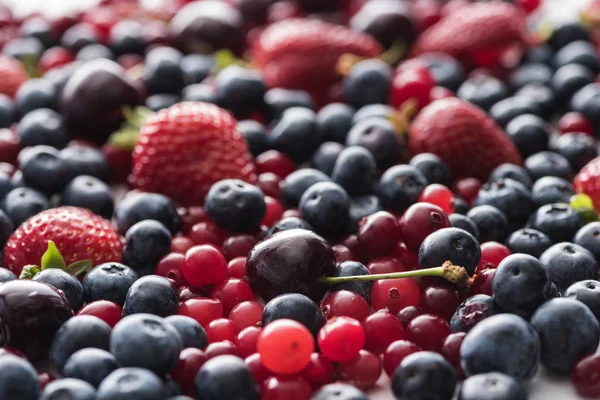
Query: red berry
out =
(467, 188)
(207, 232)
(181, 244)
(245, 314)
(426, 13)
(202, 310)
(292, 212)
(395, 294)
(285, 346)
(451, 351)
(285, 388)
(440, 92)
(362, 371)
(351, 243)
(107, 311)
(529, 5)
(440, 196)
(342, 253)
(54, 57)
(236, 268)
(381, 329)
(428, 331)
(119, 161)
(274, 211)
(258, 370)
(409, 259)
(275, 162)
(319, 371)
(270, 184)
(345, 303)
(204, 265)
(575, 122)
(170, 267)
(219, 330)
(13, 75)
(190, 216)
(231, 292)
(246, 340)
(238, 246)
(190, 361)
(494, 252)
(586, 376)
(395, 353)
(384, 265)
(482, 284)
(409, 313)
(186, 293)
(44, 379)
(440, 299)
(413, 83)
(419, 221)
(221, 348)
(377, 235)
(341, 338)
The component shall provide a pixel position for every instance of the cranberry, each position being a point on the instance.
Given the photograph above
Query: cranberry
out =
(409, 313)
(54, 57)
(285, 388)
(377, 235)
(409, 259)
(494, 252)
(419, 221)
(351, 243)
(188, 365)
(411, 83)
(219, 330)
(204, 265)
(468, 188)
(575, 122)
(395, 353)
(270, 184)
(221, 348)
(181, 244)
(202, 310)
(207, 232)
(245, 314)
(441, 300)
(341, 338)
(482, 284)
(345, 303)
(440, 196)
(385, 265)
(319, 371)
(428, 331)
(170, 267)
(586, 376)
(285, 346)
(238, 246)
(381, 329)
(275, 162)
(362, 371)
(274, 211)
(246, 340)
(231, 292)
(190, 216)
(395, 294)
(107, 311)
(258, 370)
(236, 268)
(451, 351)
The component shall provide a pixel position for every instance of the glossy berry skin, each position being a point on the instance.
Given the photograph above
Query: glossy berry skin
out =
(146, 341)
(492, 386)
(551, 189)
(424, 375)
(42, 126)
(433, 168)
(341, 339)
(285, 387)
(428, 331)
(69, 387)
(414, 83)
(350, 268)
(334, 121)
(529, 133)
(341, 391)
(226, 377)
(378, 235)
(395, 353)
(326, 155)
(319, 371)
(6, 275)
(568, 263)
(379, 137)
(325, 206)
(362, 371)
(584, 376)
(136, 207)
(503, 343)
(548, 163)
(588, 238)
(204, 265)
(587, 292)
(35, 94)
(355, 170)
(450, 244)
(482, 90)
(287, 223)
(296, 307)
(568, 330)
(578, 148)
(395, 294)
(400, 187)
(419, 221)
(297, 183)
(232, 292)
(381, 329)
(290, 261)
(89, 192)
(439, 195)
(491, 223)
(235, 205)
(465, 223)
(70, 285)
(140, 382)
(110, 281)
(107, 311)
(440, 299)
(152, 295)
(246, 340)
(510, 197)
(240, 90)
(368, 82)
(451, 351)
(345, 303)
(472, 311)
(20, 379)
(559, 221)
(90, 365)
(289, 337)
(255, 135)
(190, 362)
(295, 134)
(569, 79)
(43, 170)
(361, 207)
(575, 122)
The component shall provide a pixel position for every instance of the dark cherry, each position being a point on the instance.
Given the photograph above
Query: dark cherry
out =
(409, 313)
(428, 331)
(451, 352)
(377, 235)
(440, 299)
(586, 376)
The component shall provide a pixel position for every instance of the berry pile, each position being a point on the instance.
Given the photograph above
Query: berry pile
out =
(298, 199)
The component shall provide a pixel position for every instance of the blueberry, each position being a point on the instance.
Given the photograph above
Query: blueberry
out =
(433, 167)
(568, 331)
(297, 307)
(160, 101)
(528, 73)
(240, 90)
(42, 126)
(18, 379)
(171, 387)
(567, 80)
(66, 282)
(508, 109)
(334, 121)
(90, 365)
(192, 333)
(146, 341)
(88, 192)
(226, 377)
(551, 189)
(492, 386)
(580, 52)
(568, 263)
(69, 388)
(255, 135)
(559, 221)
(296, 183)
(196, 67)
(145, 244)
(34, 94)
(39, 28)
(540, 53)
(587, 102)
(200, 92)
(152, 295)
(339, 391)
(86, 160)
(162, 72)
(588, 237)
(528, 241)
(287, 223)
(131, 383)
(45, 171)
(567, 33)
(387, 22)
(235, 205)
(472, 311)
(548, 163)
(512, 198)
(326, 206)
(22, 203)
(355, 171)
(450, 244)
(482, 90)
(351, 268)
(577, 148)
(25, 49)
(126, 37)
(521, 284)
(7, 111)
(6, 275)
(94, 51)
(109, 281)
(360, 207)
(539, 94)
(491, 223)
(372, 111)
(424, 375)
(296, 133)
(502, 343)
(326, 156)
(7, 184)
(465, 223)
(78, 333)
(78, 36)
(141, 206)
(368, 82)
(445, 70)
(278, 100)
(400, 186)
(587, 292)
(529, 133)
(460, 205)
(379, 137)
(511, 171)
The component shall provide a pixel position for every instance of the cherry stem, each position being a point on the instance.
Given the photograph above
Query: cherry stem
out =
(448, 271)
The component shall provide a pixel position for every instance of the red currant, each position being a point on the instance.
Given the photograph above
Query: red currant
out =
(245, 314)
(342, 253)
(428, 331)
(409, 313)
(236, 268)
(190, 361)
(395, 294)
(319, 371)
(238, 246)
(440, 196)
(345, 303)
(54, 57)
(341, 338)
(258, 370)
(494, 252)
(219, 330)
(207, 232)
(384, 265)
(377, 235)
(246, 340)
(107, 311)
(221, 348)
(482, 284)
(285, 388)
(274, 162)
(186, 293)
(409, 259)
(190, 216)
(285, 346)
(586, 376)
(412, 83)
(170, 267)
(362, 371)
(467, 188)
(381, 329)
(231, 292)
(396, 352)
(270, 184)
(181, 244)
(419, 221)
(202, 310)
(274, 211)
(451, 351)
(204, 265)
(575, 122)
(440, 299)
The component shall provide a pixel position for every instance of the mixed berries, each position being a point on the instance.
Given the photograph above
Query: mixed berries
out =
(309, 199)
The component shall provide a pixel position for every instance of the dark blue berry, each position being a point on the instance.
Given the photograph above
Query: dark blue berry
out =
(235, 205)
(6, 184)
(502, 343)
(334, 122)
(529, 133)
(141, 206)
(277, 100)
(400, 186)
(580, 52)
(131, 383)
(460, 205)
(424, 375)
(326, 206)
(89, 192)
(360, 207)
(483, 90)
(78, 36)
(511, 171)
(126, 37)
(146, 341)
(78, 333)
(577, 148)
(339, 391)
(472, 311)
(44, 170)
(296, 183)
(510, 108)
(171, 388)
(551, 189)
(521, 284)
(18, 379)
(492, 386)
(145, 244)
(372, 111)
(94, 52)
(152, 295)
(200, 92)
(22, 203)
(512, 198)
(445, 70)
(66, 282)
(162, 72)
(588, 237)
(587, 102)
(491, 223)
(559, 221)
(90, 365)
(109, 281)
(289, 223)
(528, 73)
(255, 135)
(587, 292)
(351, 268)
(294, 306)
(568, 263)
(6, 275)
(7, 111)
(379, 137)
(368, 82)
(196, 67)
(528, 241)
(326, 155)
(450, 244)
(355, 171)
(6, 229)
(226, 377)
(35, 94)
(24, 49)
(39, 28)
(240, 90)
(539, 94)
(465, 223)
(540, 53)
(567, 80)
(548, 163)
(567, 33)
(160, 101)
(192, 333)
(433, 167)
(568, 331)
(86, 160)
(43, 126)
(296, 133)
(68, 388)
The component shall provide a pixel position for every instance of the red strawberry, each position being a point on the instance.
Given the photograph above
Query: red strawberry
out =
(588, 181)
(184, 149)
(475, 32)
(302, 53)
(79, 234)
(13, 75)
(464, 136)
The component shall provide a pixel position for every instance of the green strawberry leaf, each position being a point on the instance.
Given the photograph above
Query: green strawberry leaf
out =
(29, 272)
(52, 257)
(80, 267)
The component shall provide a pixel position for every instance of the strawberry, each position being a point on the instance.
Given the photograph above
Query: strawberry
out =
(302, 53)
(13, 75)
(78, 233)
(464, 136)
(588, 181)
(475, 32)
(184, 149)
